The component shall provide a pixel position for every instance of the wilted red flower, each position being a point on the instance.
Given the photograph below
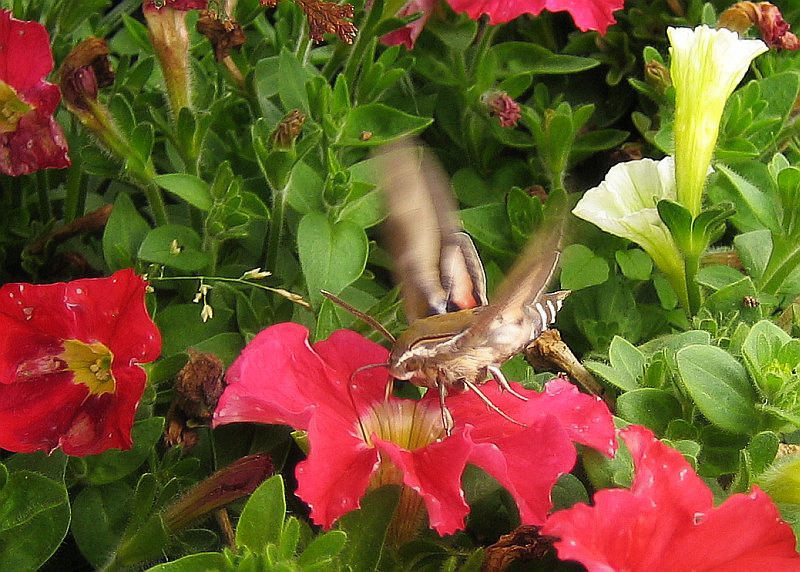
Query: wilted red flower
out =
(773, 28)
(503, 107)
(361, 440)
(407, 35)
(667, 521)
(182, 5)
(69, 355)
(588, 14)
(30, 138)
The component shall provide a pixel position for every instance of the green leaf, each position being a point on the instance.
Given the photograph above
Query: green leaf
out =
(292, 82)
(488, 225)
(581, 268)
(366, 529)
(100, 517)
(124, 232)
(114, 464)
(720, 387)
(518, 57)
(34, 519)
(206, 561)
(333, 255)
(384, 123)
(653, 408)
(261, 522)
(323, 549)
(627, 359)
(613, 376)
(634, 263)
(679, 222)
(191, 189)
(754, 250)
(729, 300)
(175, 246)
(181, 326)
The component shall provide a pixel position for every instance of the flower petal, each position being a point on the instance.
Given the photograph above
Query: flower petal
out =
(588, 14)
(26, 57)
(666, 521)
(435, 473)
(280, 378)
(407, 35)
(338, 469)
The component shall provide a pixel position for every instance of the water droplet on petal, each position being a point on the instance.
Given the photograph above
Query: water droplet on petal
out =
(698, 517)
(28, 313)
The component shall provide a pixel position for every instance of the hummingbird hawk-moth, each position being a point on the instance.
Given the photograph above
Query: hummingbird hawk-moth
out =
(456, 339)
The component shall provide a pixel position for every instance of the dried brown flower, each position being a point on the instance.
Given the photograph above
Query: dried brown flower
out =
(287, 131)
(197, 389)
(224, 33)
(325, 18)
(773, 28)
(85, 69)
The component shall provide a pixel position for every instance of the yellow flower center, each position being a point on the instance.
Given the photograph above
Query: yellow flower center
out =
(12, 108)
(91, 365)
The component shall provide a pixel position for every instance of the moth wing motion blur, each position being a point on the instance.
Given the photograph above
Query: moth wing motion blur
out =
(455, 339)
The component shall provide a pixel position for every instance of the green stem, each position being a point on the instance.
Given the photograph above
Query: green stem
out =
(692, 267)
(275, 227)
(45, 212)
(75, 200)
(99, 121)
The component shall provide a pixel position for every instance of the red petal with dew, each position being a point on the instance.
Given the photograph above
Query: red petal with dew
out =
(26, 57)
(666, 521)
(338, 469)
(588, 14)
(51, 411)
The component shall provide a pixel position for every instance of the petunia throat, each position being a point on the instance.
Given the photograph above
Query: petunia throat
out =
(12, 108)
(91, 365)
(412, 425)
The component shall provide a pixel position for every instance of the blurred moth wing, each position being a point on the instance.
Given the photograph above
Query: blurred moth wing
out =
(435, 261)
(455, 339)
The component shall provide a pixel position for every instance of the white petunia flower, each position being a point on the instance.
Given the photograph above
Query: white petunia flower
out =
(624, 205)
(706, 66)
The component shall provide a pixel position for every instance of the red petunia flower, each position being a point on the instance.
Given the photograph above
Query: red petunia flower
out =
(361, 440)
(407, 35)
(69, 355)
(182, 5)
(588, 14)
(30, 138)
(667, 521)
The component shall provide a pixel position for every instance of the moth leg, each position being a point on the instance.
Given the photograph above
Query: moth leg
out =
(501, 380)
(447, 418)
(389, 387)
(491, 405)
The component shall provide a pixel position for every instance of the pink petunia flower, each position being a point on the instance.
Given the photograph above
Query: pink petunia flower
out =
(588, 14)
(407, 35)
(69, 363)
(360, 440)
(667, 521)
(30, 138)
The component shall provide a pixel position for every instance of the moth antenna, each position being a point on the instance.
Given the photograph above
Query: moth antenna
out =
(491, 405)
(367, 319)
(350, 392)
(366, 367)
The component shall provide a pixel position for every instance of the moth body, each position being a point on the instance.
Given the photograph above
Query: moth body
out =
(441, 349)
